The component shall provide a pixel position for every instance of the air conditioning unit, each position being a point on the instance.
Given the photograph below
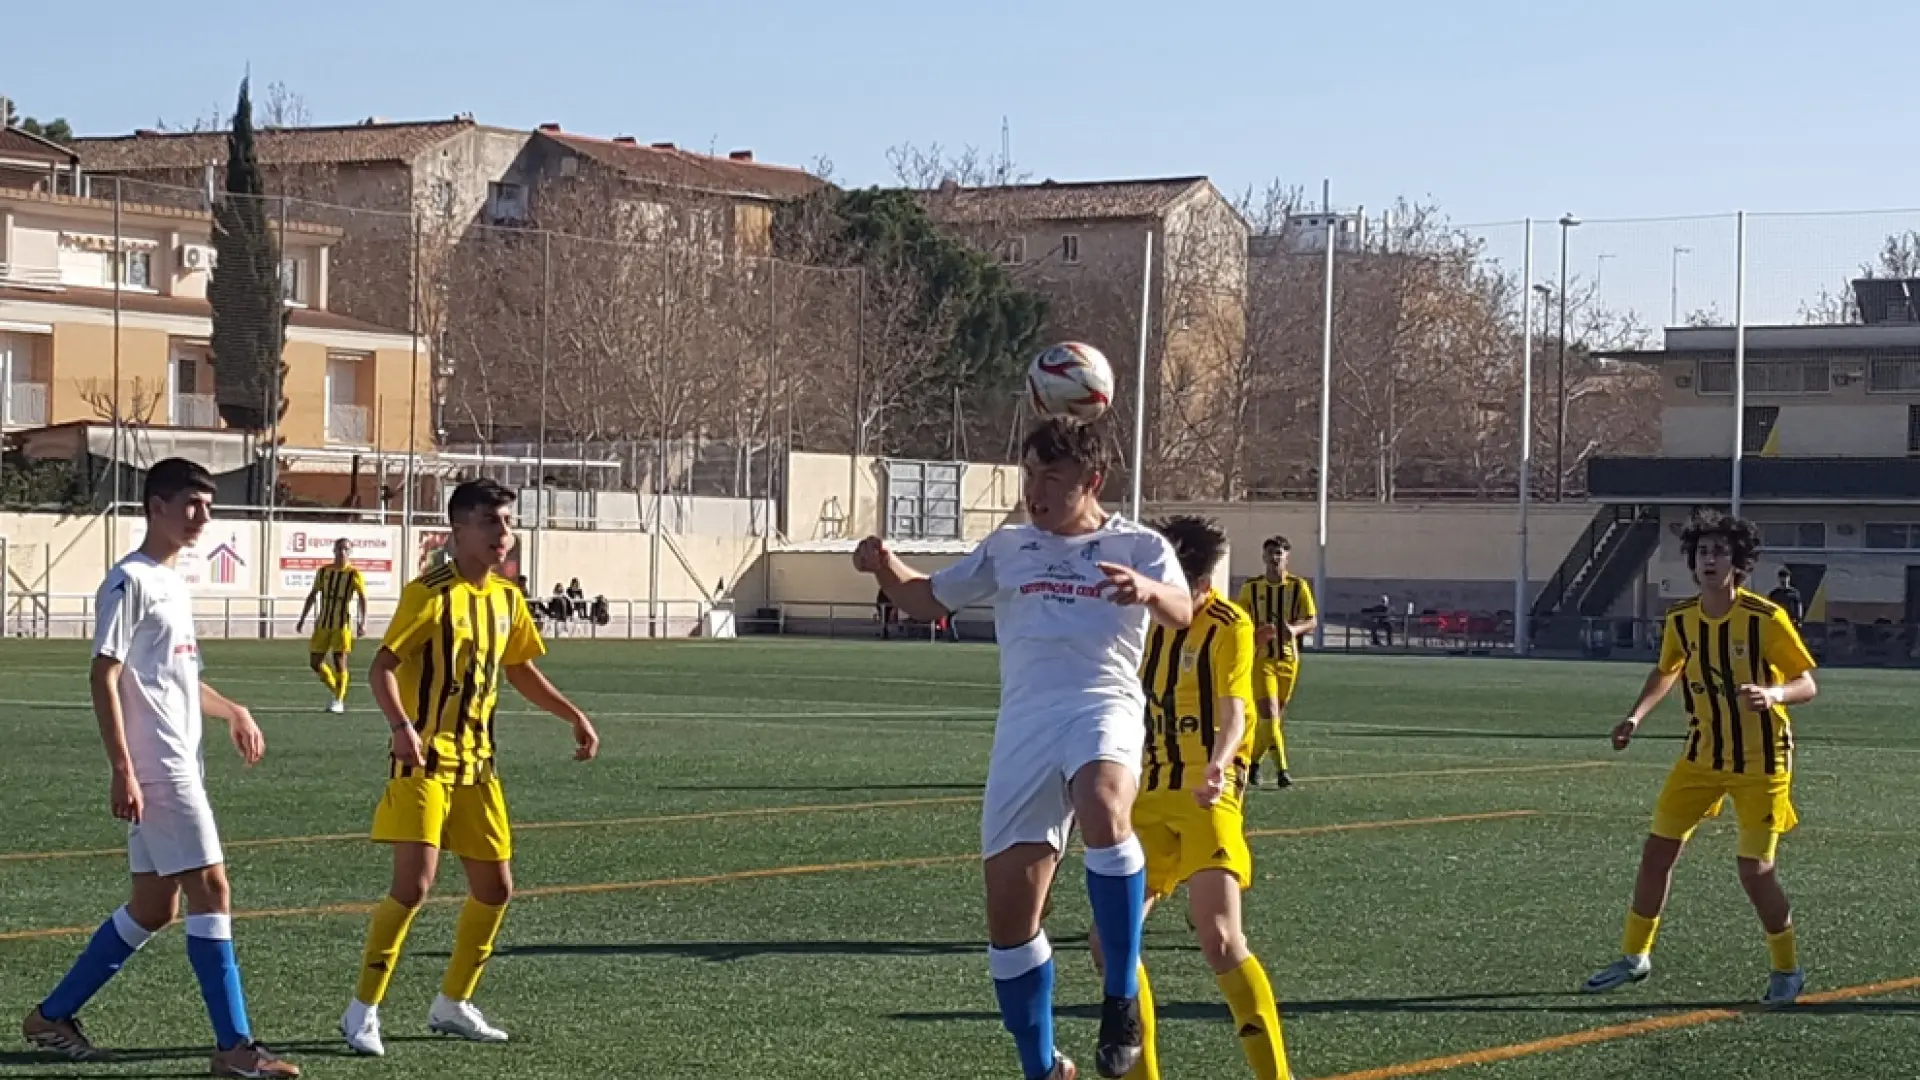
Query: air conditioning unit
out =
(197, 257)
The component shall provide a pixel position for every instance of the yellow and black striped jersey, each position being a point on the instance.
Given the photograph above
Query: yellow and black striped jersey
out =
(335, 588)
(1279, 604)
(1753, 643)
(1187, 675)
(455, 641)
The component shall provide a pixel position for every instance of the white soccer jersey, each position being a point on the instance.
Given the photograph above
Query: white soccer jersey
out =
(1064, 647)
(145, 621)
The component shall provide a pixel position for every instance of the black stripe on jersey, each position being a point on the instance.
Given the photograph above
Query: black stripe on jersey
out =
(496, 649)
(1225, 612)
(1149, 681)
(1764, 608)
(447, 658)
(1678, 627)
(1170, 713)
(1704, 663)
(1263, 613)
(438, 576)
(1731, 688)
(469, 683)
(1203, 672)
(1754, 666)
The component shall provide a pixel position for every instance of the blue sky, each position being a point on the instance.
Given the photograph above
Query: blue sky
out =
(1495, 109)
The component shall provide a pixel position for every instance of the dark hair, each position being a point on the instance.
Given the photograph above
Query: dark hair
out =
(1059, 439)
(172, 476)
(343, 542)
(481, 494)
(1276, 543)
(1742, 537)
(1197, 542)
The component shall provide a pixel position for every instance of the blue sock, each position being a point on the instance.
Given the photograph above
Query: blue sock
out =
(210, 951)
(1023, 981)
(1117, 889)
(113, 945)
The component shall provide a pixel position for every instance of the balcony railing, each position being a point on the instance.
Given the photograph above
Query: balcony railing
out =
(347, 424)
(35, 277)
(24, 404)
(195, 411)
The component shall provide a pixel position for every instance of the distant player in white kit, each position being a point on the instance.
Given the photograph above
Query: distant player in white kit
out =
(148, 698)
(1073, 593)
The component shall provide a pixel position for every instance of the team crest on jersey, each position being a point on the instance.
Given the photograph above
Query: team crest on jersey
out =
(1090, 552)
(1189, 659)
(1739, 650)
(501, 625)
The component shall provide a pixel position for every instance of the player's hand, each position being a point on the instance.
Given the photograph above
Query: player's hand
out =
(1212, 787)
(1758, 698)
(1623, 732)
(1127, 585)
(125, 798)
(301, 626)
(247, 736)
(586, 741)
(360, 628)
(871, 556)
(406, 747)
(1264, 635)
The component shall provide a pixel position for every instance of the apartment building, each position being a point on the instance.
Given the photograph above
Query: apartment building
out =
(103, 302)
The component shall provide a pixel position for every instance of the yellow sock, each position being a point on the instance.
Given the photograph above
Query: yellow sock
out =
(1784, 952)
(341, 678)
(472, 945)
(1257, 1016)
(1280, 740)
(1148, 1067)
(325, 671)
(1637, 940)
(1265, 733)
(385, 933)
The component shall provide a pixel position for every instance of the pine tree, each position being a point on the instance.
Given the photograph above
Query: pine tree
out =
(249, 313)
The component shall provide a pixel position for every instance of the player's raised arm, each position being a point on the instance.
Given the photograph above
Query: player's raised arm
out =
(910, 590)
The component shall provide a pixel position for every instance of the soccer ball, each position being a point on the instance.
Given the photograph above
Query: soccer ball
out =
(1070, 379)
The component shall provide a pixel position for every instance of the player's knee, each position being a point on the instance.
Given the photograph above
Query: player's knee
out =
(1220, 939)
(155, 912)
(1659, 854)
(207, 892)
(410, 890)
(1755, 873)
(314, 660)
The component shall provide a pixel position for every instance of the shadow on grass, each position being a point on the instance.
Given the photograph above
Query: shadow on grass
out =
(730, 951)
(294, 1050)
(1452, 1003)
(968, 787)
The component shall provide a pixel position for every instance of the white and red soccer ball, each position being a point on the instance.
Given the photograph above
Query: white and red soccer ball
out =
(1070, 379)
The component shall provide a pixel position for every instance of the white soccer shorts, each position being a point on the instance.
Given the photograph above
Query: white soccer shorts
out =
(1027, 799)
(176, 832)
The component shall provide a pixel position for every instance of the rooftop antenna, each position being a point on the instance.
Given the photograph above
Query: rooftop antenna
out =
(1006, 151)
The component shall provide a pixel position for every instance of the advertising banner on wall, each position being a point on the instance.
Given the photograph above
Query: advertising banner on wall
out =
(304, 549)
(221, 561)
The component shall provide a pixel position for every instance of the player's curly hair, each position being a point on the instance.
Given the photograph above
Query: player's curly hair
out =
(1057, 439)
(1742, 537)
(1197, 542)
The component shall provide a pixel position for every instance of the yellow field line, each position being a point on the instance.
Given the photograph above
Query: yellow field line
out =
(771, 811)
(1611, 1033)
(733, 876)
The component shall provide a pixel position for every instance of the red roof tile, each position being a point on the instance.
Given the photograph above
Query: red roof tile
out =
(344, 144)
(17, 145)
(1113, 200)
(676, 168)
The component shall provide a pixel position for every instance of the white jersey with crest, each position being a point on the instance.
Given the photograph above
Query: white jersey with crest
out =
(1064, 646)
(144, 619)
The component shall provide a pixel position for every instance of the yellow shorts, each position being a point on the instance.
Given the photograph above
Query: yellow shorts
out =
(1762, 804)
(327, 642)
(1181, 839)
(1273, 680)
(469, 820)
